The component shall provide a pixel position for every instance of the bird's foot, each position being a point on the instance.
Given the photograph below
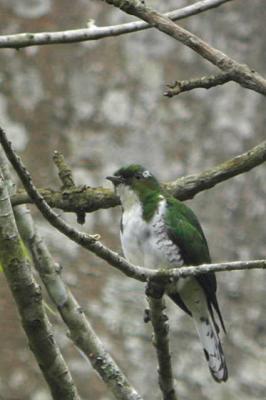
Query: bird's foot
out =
(154, 290)
(147, 315)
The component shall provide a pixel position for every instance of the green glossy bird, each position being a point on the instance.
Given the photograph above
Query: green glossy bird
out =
(158, 231)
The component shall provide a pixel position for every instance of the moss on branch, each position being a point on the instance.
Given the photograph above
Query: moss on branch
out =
(89, 199)
(28, 297)
(73, 200)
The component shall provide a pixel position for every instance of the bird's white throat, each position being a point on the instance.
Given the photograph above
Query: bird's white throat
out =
(127, 196)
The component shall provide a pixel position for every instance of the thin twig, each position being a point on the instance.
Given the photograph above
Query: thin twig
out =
(91, 199)
(20, 40)
(169, 276)
(241, 73)
(205, 82)
(64, 171)
(66, 176)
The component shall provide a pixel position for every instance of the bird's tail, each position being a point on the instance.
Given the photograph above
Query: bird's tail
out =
(212, 348)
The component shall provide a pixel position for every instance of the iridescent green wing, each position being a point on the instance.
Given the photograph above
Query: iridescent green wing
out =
(185, 231)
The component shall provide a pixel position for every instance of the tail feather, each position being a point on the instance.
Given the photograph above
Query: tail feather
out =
(197, 303)
(212, 348)
(215, 305)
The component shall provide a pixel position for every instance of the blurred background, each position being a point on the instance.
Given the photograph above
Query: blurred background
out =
(101, 103)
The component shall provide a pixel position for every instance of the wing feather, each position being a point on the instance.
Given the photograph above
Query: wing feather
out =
(185, 231)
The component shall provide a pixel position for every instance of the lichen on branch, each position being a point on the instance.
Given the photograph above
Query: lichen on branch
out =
(28, 297)
(89, 199)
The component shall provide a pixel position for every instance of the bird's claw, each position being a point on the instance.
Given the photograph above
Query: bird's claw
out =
(154, 290)
(147, 315)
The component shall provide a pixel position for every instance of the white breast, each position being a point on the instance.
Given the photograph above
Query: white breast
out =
(147, 243)
(132, 233)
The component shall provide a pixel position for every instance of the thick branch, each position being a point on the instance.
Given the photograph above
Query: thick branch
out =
(241, 73)
(205, 82)
(91, 199)
(20, 40)
(28, 297)
(77, 199)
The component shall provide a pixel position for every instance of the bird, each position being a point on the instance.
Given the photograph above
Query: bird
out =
(158, 231)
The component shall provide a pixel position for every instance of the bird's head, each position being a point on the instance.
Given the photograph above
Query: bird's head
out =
(134, 183)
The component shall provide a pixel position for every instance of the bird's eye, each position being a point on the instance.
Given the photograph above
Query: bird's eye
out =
(146, 174)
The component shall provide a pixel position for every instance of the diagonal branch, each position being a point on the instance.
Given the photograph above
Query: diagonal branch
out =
(241, 73)
(91, 199)
(205, 82)
(188, 186)
(92, 243)
(89, 242)
(20, 40)
(80, 329)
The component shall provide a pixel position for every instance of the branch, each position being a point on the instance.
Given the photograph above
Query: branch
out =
(241, 73)
(79, 198)
(161, 342)
(64, 171)
(183, 272)
(66, 176)
(89, 199)
(20, 40)
(91, 242)
(206, 82)
(187, 187)
(80, 330)
(72, 314)
(28, 297)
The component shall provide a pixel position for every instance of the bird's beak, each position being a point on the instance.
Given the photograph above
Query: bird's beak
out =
(116, 180)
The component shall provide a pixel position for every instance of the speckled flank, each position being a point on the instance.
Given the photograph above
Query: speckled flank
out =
(168, 250)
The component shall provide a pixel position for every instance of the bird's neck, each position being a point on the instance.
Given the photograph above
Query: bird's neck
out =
(148, 200)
